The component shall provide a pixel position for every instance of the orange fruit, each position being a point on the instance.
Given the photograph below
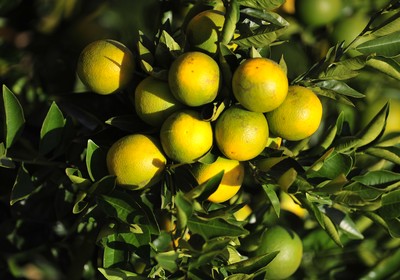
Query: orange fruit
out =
(259, 84)
(298, 117)
(194, 78)
(154, 101)
(137, 161)
(185, 137)
(241, 134)
(231, 181)
(106, 66)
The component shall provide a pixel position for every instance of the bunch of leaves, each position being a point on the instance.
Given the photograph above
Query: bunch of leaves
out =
(66, 217)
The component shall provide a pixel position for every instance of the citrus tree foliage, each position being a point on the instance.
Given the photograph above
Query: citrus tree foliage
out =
(63, 215)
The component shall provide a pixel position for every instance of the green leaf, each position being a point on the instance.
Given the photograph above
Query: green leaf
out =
(367, 193)
(273, 197)
(214, 228)
(80, 203)
(386, 65)
(184, 208)
(374, 128)
(251, 264)
(264, 15)
(387, 46)
(51, 133)
(168, 260)
(231, 18)
(23, 186)
(239, 276)
(332, 166)
(13, 117)
(103, 186)
(377, 178)
(146, 58)
(76, 178)
(262, 4)
(390, 208)
(333, 95)
(260, 37)
(339, 87)
(119, 274)
(331, 229)
(95, 161)
(389, 153)
(203, 191)
(388, 26)
(344, 222)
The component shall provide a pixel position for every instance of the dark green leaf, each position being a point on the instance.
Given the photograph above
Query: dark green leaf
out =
(23, 186)
(95, 161)
(13, 117)
(377, 178)
(239, 276)
(273, 197)
(103, 186)
(271, 17)
(252, 264)
(333, 95)
(203, 191)
(367, 193)
(214, 228)
(344, 222)
(390, 208)
(184, 208)
(339, 87)
(387, 46)
(332, 166)
(262, 4)
(259, 37)
(51, 132)
(384, 268)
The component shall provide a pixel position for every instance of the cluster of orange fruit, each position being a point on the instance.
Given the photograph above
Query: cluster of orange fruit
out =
(263, 103)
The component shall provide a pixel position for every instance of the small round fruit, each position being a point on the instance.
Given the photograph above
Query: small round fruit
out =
(194, 78)
(298, 117)
(137, 161)
(231, 181)
(185, 137)
(290, 247)
(316, 13)
(203, 31)
(106, 66)
(259, 84)
(241, 134)
(154, 101)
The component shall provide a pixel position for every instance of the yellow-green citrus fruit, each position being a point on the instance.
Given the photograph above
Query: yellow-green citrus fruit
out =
(316, 13)
(154, 101)
(241, 134)
(106, 66)
(290, 247)
(194, 78)
(231, 181)
(298, 117)
(203, 31)
(137, 161)
(259, 84)
(185, 137)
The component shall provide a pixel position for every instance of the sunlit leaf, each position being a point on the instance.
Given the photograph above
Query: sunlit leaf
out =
(52, 129)
(344, 222)
(272, 197)
(390, 208)
(332, 166)
(231, 18)
(389, 153)
(268, 16)
(339, 87)
(386, 65)
(13, 117)
(76, 178)
(168, 260)
(251, 264)
(387, 46)
(118, 274)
